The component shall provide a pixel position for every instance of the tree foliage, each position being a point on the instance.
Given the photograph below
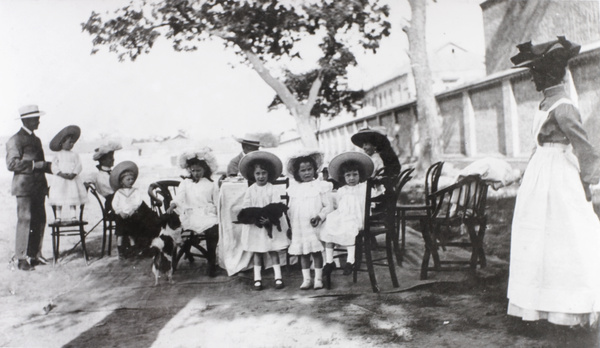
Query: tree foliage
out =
(259, 31)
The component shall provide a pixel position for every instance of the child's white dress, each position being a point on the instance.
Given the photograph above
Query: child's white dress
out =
(307, 200)
(197, 204)
(342, 224)
(255, 239)
(63, 191)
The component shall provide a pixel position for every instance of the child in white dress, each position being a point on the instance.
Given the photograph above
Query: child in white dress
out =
(196, 200)
(263, 168)
(67, 187)
(136, 223)
(310, 202)
(343, 224)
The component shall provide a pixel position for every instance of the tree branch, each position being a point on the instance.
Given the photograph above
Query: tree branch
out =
(279, 87)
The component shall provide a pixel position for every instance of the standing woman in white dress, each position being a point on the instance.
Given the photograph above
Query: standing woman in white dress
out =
(555, 238)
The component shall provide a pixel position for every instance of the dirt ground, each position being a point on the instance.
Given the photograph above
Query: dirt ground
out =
(112, 303)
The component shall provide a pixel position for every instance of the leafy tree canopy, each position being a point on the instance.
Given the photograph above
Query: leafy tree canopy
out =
(267, 29)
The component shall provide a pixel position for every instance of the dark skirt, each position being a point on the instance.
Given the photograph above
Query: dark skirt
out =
(143, 223)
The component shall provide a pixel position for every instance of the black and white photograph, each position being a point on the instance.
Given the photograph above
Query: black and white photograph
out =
(300, 173)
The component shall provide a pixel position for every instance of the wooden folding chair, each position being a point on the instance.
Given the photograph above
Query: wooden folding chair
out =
(458, 212)
(418, 212)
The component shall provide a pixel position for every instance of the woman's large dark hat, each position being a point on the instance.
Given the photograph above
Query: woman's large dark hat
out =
(376, 136)
(551, 53)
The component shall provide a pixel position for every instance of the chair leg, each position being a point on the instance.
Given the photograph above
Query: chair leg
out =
(110, 233)
(358, 256)
(82, 237)
(54, 246)
(103, 239)
(396, 235)
(481, 234)
(428, 245)
(368, 248)
(390, 237)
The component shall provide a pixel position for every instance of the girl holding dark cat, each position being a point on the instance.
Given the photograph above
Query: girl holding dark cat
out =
(263, 168)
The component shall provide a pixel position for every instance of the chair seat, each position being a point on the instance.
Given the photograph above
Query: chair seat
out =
(68, 223)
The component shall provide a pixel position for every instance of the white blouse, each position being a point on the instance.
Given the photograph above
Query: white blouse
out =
(127, 200)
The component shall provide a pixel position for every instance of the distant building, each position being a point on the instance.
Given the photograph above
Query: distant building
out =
(451, 66)
(509, 22)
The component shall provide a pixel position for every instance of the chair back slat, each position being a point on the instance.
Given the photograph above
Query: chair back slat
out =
(164, 191)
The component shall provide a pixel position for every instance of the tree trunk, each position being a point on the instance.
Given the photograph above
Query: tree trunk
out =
(301, 112)
(430, 129)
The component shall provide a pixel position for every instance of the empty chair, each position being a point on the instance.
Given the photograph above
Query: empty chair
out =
(457, 219)
(418, 212)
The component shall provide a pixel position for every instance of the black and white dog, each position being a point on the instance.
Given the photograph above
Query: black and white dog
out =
(163, 247)
(273, 212)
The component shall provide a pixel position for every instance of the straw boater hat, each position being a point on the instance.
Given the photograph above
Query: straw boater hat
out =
(336, 163)
(115, 174)
(375, 135)
(246, 164)
(249, 140)
(30, 111)
(106, 149)
(555, 52)
(315, 154)
(204, 154)
(72, 131)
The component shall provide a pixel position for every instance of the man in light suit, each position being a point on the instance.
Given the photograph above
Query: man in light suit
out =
(249, 144)
(25, 158)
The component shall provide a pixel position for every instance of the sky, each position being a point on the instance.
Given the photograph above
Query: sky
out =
(45, 60)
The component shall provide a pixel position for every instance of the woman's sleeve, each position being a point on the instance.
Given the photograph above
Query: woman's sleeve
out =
(569, 121)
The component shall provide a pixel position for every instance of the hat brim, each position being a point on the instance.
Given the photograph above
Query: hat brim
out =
(315, 154)
(362, 159)
(37, 114)
(246, 164)
(105, 150)
(204, 154)
(119, 169)
(370, 136)
(72, 131)
(248, 142)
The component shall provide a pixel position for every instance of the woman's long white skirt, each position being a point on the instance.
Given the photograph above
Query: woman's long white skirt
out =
(555, 244)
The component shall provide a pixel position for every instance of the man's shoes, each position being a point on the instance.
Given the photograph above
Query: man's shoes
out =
(42, 260)
(23, 265)
(37, 262)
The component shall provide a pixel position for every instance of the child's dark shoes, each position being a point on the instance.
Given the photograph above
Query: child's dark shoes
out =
(279, 284)
(328, 268)
(257, 285)
(348, 268)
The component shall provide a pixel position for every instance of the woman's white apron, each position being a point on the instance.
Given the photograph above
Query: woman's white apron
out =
(555, 240)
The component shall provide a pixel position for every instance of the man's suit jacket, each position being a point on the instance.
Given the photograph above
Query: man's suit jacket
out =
(21, 150)
(233, 167)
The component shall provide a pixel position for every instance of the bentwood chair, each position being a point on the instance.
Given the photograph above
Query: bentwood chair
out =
(107, 221)
(66, 228)
(457, 219)
(379, 222)
(419, 211)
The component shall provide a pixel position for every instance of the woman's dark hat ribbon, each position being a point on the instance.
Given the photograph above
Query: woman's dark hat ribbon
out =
(557, 51)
